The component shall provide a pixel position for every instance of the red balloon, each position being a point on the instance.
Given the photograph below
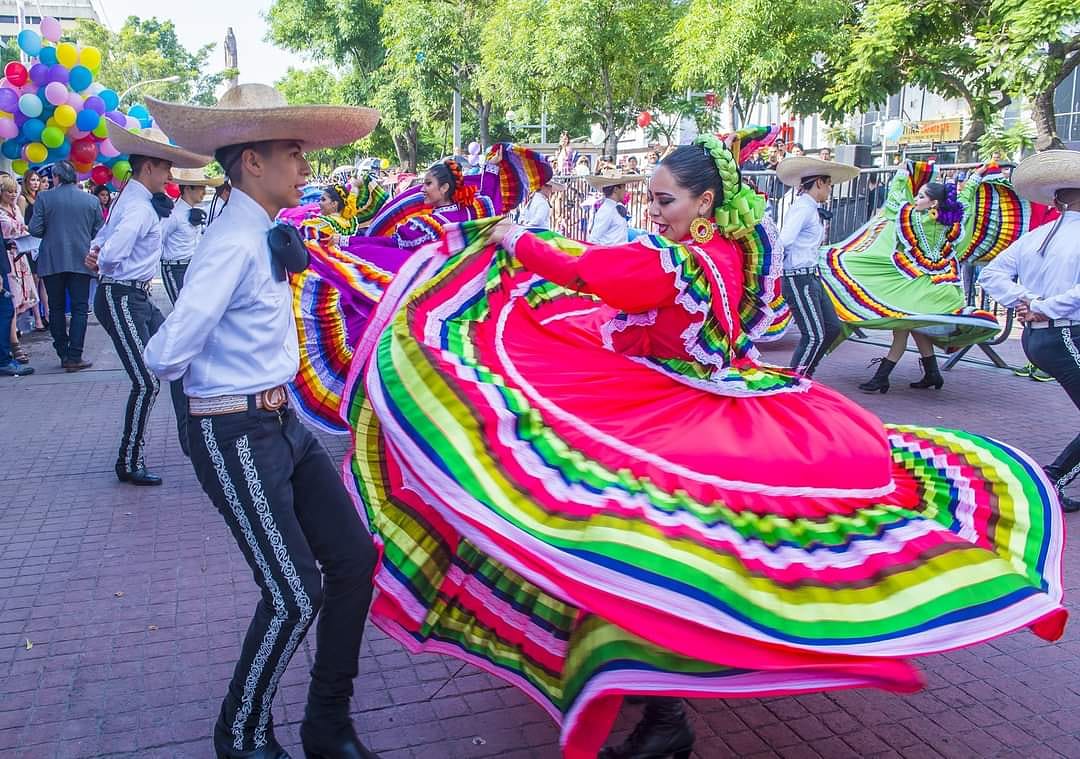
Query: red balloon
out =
(84, 151)
(172, 190)
(83, 168)
(644, 119)
(101, 174)
(16, 73)
(710, 99)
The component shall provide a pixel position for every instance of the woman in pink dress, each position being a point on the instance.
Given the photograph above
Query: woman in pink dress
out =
(23, 289)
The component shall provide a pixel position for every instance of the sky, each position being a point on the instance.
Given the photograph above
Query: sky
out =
(199, 22)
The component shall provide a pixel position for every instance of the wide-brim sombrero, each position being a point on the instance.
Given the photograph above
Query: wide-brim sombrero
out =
(600, 181)
(1039, 177)
(195, 178)
(153, 143)
(794, 169)
(258, 113)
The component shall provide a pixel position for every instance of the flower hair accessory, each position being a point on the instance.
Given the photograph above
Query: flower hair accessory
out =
(463, 194)
(742, 208)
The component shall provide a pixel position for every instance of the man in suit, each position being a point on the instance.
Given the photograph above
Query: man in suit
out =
(66, 219)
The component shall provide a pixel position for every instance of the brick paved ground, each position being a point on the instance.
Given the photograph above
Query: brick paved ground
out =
(135, 601)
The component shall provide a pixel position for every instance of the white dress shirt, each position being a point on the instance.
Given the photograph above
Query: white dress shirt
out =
(130, 241)
(178, 236)
(608, 226)
(801, 234)
(1051, 282)
(231, 331)
(538, 212)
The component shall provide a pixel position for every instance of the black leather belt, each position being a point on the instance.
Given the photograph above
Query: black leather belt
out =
(132, 283)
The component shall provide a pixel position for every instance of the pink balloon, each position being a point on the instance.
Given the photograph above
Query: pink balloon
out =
(133, 123)
(50, 29)
(75, 100)
(56, 93)
(74, 134)
(106, 148)
(8, 129)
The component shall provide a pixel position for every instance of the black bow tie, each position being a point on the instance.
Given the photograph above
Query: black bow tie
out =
(824, 214)
(290, 253)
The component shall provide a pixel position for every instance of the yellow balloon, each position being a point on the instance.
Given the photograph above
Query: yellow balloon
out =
(66, 54)
(64, 116)
(36, 152)
(52, 122)
(90, 57)
(20, 167)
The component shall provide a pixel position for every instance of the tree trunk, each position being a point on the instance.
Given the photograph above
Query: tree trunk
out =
(483, 118)
(969, 144)
(412, 136)
(401, 149)
(1042, 112)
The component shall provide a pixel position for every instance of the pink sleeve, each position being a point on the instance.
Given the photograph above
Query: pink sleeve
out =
(627, 277)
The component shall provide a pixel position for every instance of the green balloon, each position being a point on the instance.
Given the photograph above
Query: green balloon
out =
(102, 129)
(121, 170)
(52, 137)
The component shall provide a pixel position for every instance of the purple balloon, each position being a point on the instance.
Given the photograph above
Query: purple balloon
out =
(20, 117)
(9, 100)
(116, 117)
(39, 74)
(59, 73)
(95, 104)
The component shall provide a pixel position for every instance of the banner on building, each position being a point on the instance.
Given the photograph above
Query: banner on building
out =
(938, 130)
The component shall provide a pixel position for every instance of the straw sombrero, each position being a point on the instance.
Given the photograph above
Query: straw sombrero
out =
(153, 143)
(600, 181)
(195, 177)
(794, 169)
(258, 113)
(1039, 177)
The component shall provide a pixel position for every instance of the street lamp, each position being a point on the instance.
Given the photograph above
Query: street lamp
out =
(166, 80)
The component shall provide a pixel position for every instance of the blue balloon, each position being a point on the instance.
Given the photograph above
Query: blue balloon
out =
(64, 150)
(30, 42)
(138, 112)
(80, 78)
(146, 123)
(11, 149)
(48, 55)
(110, 98)
(87, 120)
(32, 129)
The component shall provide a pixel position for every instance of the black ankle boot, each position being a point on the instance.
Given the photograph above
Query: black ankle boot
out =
(662, 732)
(1068, 505)
(879, 383)
(223, 746)
(931, 376)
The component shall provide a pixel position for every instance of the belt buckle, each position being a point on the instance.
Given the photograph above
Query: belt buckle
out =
(273, 398)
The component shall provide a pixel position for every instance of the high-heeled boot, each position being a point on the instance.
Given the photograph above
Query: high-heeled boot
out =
(662, 732)
(931, 376)
(879, 383)
(328, 733)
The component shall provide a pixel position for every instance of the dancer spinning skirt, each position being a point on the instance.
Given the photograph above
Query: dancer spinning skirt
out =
(900, 272)
(351, 267)
(584, 480)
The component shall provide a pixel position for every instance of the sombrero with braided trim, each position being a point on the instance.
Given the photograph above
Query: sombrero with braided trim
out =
(1039, 177)
(195, 177)
(794, 169)
(251, 113)
(153, 143)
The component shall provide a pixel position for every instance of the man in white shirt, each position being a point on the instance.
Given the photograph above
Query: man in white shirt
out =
(180, 232)
(1039, 276)
(801, 236)
(609, 222)
(232, 338)
(538, 210)
(126, 253)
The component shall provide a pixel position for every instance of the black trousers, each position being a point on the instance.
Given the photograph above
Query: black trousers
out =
(68, 340)
(172, 276)
(1056, 350)
(284, 502)
(131, 319)
(814, 316)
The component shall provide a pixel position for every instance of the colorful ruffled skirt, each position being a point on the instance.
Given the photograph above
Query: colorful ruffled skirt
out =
(585, 527)
(870, 292)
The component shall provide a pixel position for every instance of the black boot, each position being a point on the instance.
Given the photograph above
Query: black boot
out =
(662, 732)
(1068, 505)
(223, 746)
(879, 383)
(931, 377)
(327, 732)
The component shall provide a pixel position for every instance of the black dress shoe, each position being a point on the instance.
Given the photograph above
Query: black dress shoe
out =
(340, 743)
(139, 477)
(662, 732)
(223, 749)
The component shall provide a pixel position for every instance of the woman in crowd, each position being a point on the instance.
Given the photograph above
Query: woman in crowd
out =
(104, 196)
(583, 479)
(32, 184)
(900, 272)
(24, 291)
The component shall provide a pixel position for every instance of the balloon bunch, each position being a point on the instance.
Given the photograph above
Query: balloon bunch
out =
(52, 109)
